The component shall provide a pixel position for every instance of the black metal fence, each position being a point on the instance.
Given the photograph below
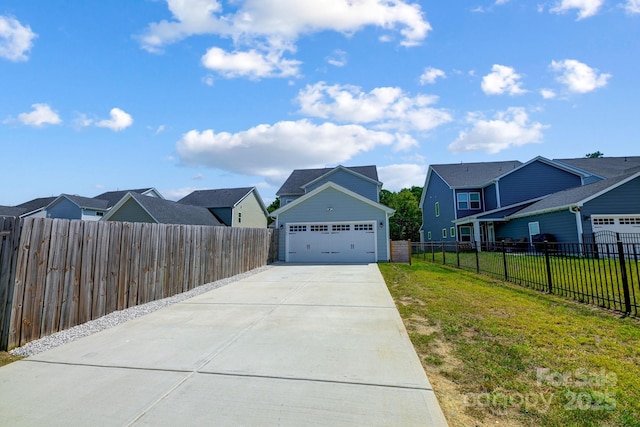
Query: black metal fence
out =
(606, 275)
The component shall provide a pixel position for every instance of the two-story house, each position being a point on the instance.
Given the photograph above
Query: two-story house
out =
(234, 207)
(483, 202)
(332, 215)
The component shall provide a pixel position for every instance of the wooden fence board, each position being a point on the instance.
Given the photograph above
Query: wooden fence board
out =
(64, 273)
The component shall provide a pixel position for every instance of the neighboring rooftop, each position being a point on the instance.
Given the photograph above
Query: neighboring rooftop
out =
(113, 197)
(299, 177)
(168, 212)
(218, 198)
(86, 202)
(35, 204)
(473, 174)
(606, 167)
(11, 211)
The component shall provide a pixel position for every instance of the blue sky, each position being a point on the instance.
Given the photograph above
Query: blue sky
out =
(192, 94)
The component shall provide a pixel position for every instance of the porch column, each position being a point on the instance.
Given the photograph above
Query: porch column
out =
(476, 235)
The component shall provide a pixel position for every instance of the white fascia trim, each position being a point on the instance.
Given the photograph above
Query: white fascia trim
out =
(337, 187)
(121, 202)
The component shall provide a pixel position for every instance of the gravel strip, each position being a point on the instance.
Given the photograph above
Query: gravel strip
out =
(117, 317)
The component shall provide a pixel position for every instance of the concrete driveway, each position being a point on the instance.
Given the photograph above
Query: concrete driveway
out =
(294, 345)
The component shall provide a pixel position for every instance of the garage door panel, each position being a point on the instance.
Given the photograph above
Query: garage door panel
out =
(331, 242)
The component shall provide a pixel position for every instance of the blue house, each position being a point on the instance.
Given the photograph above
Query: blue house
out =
(485, 202)
(333, 215)
(69, 206)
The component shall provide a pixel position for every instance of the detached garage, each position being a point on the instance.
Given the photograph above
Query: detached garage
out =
(331, 242)
(332, 224)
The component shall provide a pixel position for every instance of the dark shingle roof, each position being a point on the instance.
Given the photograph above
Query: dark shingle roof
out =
(575, 195)
(11, 211)
(113, 197)
(168, 212)
(219, 198)
(299, 177)
(87, 202)
(36, 204)
(473, 174)
(607, 167)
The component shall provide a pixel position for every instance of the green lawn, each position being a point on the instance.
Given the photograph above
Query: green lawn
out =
(499, 353)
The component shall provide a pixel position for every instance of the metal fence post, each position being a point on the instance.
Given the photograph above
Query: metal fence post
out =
(504, 262)
(458, 254)
(444, 257)
(625, 279)
(548, 263)
(477, 258)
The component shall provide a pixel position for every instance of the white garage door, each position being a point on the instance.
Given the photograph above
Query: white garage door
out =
(331, 242)
(623, 224)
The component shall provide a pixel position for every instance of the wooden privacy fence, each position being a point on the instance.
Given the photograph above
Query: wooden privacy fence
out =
(400, 251)
(70, 272)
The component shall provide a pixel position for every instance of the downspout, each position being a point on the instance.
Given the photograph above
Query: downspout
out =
(576, 211)
(476, 234)
(498, 193)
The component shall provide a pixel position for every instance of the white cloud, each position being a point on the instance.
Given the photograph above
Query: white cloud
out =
(252, 64)
(430, 75)
(547, 93)
(15, 39)
(632, 6)
(502, 79)
(176, 194)
(118, 120)
(338, 58)
(41, 115)
(262, 30)
(383, 107)
(579, 77)
(271, 151)
(509, 128)
(586, 8)
(399, 176)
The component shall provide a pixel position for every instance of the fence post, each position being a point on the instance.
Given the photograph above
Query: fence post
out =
(477, 258)
(444, 257)
(458, 254)
(433, 252)
(625, 279)
(504, 262)
(548, 263)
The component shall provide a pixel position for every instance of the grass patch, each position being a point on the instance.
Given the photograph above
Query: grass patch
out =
(498, 353)
(6, 358)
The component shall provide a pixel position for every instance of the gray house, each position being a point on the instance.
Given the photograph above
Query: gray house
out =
(234, 207)
(134, 207)
(69, 206)
(486, 202)
(333, 215)
(113, 197)
(36, 207)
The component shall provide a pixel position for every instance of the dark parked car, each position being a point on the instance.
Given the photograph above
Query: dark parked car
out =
(539, 239)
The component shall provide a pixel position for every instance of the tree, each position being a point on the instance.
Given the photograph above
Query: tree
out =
(272, 207)
(405, 223)
(595, 155)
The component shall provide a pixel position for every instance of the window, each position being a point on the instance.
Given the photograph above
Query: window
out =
(99, 213)
(363, 227)
(319, 228)
(452, 232)
(297, 228)
(630, 221)
(429, 235)
(604, 221)
(239, 217)
(340, 227)
(468, 201)
(444, 233)
(465, 234)
(437, 208)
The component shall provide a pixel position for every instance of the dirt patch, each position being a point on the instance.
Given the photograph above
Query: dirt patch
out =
(6, 358)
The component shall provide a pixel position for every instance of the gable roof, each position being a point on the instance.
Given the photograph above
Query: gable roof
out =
(576, 196)
(605, 167)
(167, 212)
(113, 197)
(35, 204)
(82, 202)
(337, 187)
(548, 162)
(299, 178)
(218, 198)
(465, 175)
(11, 211)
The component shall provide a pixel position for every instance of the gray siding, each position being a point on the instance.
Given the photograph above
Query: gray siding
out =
(437, 191)
(622, 200)
(490, 198)
(350, 182)
(562, 224)
(64, 209)
(345, 208)
(535, 180)
(131, 211)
